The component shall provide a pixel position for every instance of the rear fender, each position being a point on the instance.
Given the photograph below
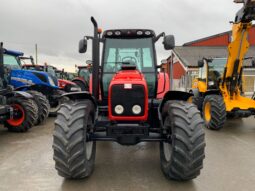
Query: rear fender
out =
(212, 92)
(79, 80)
(195, 92)
(80, 96)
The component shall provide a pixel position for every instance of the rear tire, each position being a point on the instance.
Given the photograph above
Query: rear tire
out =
(30, 114)
(182, 159)
(214, 112)
(74, 156)
(43, 106)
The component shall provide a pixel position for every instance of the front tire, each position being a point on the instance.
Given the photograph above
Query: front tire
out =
(214, 112)
(182, 157)
(74, 156)
(28, 114)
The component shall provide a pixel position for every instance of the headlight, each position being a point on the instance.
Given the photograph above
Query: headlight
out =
(136, 109)
(75, 89)
(51, 81)
(119, 109)
(211, 83)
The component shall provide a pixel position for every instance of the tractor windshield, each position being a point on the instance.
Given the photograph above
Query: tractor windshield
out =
(216, 68)
(51, 71)
(138, 52)
(11, 62)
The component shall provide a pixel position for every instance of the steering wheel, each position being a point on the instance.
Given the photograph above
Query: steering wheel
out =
(129, 58)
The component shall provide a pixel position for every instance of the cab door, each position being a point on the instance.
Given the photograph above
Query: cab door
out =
(201, 83)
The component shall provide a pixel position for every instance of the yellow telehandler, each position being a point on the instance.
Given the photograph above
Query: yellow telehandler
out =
(217, 90)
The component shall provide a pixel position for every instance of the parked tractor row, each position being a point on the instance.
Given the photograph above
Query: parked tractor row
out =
(18, 109)
(29, 92)
(126, 99)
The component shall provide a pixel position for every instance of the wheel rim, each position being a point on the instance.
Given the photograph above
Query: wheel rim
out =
(59, 102)
(190, 99)
(55, 109)
(17, 122)
(207, 112)
(167, 148)
(89, 145)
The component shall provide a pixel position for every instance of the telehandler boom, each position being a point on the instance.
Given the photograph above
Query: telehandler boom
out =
(217, 91)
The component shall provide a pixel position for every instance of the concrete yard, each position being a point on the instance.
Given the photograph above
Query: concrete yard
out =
(26, 163)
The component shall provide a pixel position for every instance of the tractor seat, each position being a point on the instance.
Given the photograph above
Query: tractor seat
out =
(129, 65)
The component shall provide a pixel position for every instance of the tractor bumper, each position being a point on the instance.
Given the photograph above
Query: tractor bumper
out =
(126, 134)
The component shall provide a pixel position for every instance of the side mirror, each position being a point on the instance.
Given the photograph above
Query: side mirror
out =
(82, 46)
(200, 63)
(169, 42)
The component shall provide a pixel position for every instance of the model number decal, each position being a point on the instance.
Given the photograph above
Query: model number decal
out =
(22, 80)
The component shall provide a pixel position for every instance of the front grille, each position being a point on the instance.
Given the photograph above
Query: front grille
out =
(127, 98)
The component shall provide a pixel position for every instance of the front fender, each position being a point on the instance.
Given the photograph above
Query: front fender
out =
(174, 95)
(195, 91)
(23, 88)
(20, 93)
(80, 96)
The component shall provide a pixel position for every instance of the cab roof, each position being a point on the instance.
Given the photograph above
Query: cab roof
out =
(129, 33)
(13, 53)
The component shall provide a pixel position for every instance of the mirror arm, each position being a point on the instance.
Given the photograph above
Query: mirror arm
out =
(92, 38)
(159, 36)
(89, 37)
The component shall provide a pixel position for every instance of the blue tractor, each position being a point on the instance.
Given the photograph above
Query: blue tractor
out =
(40, 84)
(18, 109)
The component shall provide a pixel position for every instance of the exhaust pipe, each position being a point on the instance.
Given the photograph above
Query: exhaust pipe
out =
(2, 63)
(96, 60)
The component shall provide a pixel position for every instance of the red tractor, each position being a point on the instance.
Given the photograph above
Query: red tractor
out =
(126, 106)
(84, 75)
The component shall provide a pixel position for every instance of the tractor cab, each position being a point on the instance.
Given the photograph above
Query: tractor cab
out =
(211, 72)
(124, 48)
(10, 59)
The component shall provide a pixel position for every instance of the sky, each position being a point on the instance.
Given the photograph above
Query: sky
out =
(56, 26)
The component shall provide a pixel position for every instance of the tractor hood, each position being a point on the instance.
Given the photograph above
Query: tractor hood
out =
(30, 77)
(128, 75)
(128, 89)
